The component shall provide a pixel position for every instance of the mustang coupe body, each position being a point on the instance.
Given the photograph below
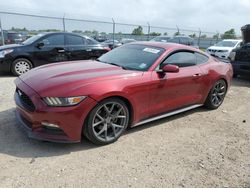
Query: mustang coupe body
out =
(128, 86)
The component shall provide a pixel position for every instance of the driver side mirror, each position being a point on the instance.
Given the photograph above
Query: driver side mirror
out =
(170, 68)
(40, 45)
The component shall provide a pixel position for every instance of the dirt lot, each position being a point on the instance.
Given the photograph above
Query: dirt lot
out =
(199, 148)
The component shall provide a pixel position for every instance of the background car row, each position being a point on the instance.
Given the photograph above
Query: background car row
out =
(47, 48)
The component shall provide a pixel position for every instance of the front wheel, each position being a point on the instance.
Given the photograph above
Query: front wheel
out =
(21, 66)
(107, 121)
(216, 95)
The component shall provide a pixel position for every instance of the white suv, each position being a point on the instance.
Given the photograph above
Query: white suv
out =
(223, 48)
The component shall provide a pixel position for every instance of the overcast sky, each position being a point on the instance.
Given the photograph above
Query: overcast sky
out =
(209, 15)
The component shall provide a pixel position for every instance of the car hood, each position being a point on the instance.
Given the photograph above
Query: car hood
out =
(220, 48)
(9, 46)
(63, 79)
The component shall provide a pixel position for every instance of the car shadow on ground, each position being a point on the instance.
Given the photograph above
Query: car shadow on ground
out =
(241, 81)
(14, 141)
(5, 75)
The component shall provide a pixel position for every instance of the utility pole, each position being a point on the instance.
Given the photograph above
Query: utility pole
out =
(64, 29)
(148, 30)
(2, 31)
(113, 32)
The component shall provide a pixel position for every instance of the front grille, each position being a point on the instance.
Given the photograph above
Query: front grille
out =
(25, 100)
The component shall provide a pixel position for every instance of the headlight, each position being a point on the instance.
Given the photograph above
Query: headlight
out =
(232, 56)
(61, 101)
(5, 52)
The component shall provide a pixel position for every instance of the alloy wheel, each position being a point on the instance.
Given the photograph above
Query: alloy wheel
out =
(218, 93)
(109, 121)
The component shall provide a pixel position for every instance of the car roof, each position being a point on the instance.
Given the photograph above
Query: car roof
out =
(236, 40)
(166, 45)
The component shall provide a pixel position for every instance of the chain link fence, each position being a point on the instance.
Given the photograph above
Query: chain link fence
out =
(29, 24)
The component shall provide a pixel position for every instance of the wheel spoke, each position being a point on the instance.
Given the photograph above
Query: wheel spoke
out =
(102, 130)
(106, 134)
(106, 109)
(112, 108)
(121, 117)
(115, 125)
(114, 131)
(97, 123)
(100, 117)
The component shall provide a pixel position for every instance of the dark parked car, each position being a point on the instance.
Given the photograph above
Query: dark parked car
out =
(11, 37)
(48, 48)
(126, 40)
(112, 44)
(182, 40)
(240, 57)
(160, 39)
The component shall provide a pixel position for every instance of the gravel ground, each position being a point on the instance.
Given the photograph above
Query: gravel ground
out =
(198, 148)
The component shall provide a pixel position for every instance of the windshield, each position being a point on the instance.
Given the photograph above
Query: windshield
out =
(133, 56)
(226, 43)
(33, 39)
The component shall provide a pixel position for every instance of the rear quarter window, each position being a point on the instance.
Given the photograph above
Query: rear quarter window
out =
(200, 58)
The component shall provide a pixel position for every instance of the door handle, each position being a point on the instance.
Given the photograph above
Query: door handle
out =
(197, 75)
(61, 51)
(89, 50)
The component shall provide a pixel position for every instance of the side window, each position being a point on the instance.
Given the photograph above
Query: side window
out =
(54, 40)
(175, 40)
(74, 40)
(200, 58)
(184, 40)
(181, 59)
(89, 41)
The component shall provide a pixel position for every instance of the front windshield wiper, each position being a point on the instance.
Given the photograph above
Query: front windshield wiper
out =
(125, 68)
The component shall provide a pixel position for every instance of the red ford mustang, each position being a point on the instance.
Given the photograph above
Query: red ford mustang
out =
(131, 85)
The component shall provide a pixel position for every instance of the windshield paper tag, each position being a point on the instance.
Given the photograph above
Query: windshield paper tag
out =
(151, 50)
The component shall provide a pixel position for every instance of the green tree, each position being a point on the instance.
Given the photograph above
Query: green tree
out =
(230, 34)
(166, 34)
(138, 31)
(216, 36)
(177, 33)
(77, 31)
(154, 34)
(192, 35)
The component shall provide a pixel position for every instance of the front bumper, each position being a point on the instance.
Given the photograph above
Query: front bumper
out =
(69, 119)
(5, 65)
(222, 55)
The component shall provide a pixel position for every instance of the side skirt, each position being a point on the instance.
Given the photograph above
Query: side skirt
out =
(167, 114)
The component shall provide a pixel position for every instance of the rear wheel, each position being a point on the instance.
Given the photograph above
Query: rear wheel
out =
(21, 66)
(107, 121)
(216, 95)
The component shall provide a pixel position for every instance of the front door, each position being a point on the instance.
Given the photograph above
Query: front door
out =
(53, 50)
(171, 91)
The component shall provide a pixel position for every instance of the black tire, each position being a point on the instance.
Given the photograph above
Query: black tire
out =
(25, 63)
(216, 95)
(118, 116)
